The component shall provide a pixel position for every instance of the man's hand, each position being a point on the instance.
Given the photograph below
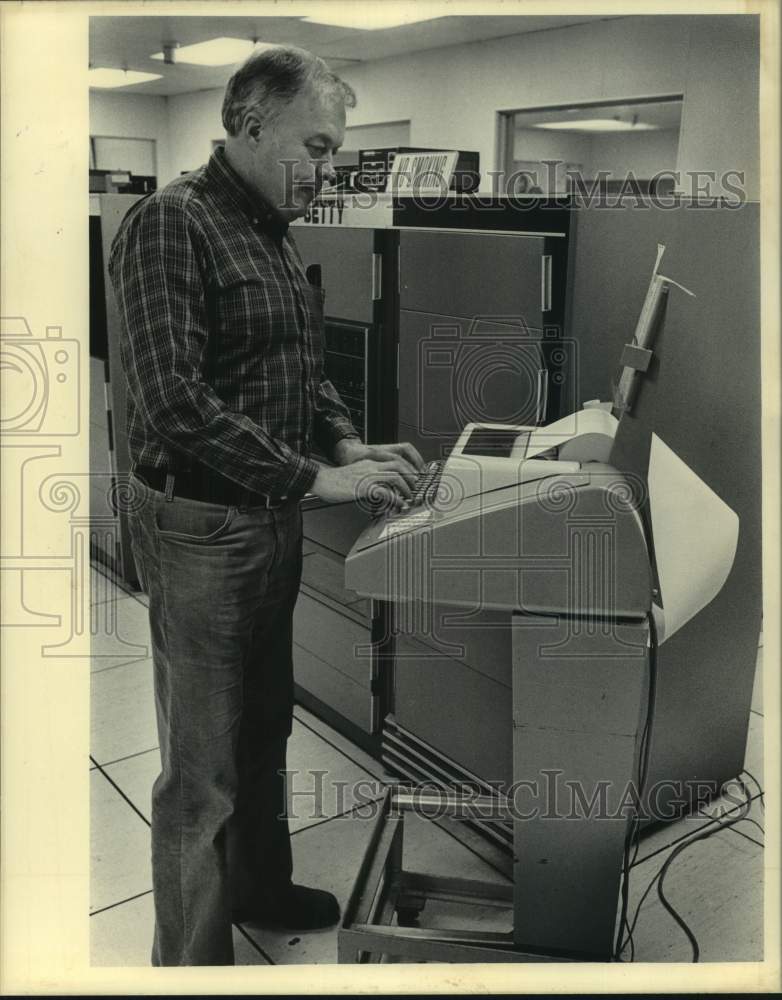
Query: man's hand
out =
(350, 450)
(386, 484)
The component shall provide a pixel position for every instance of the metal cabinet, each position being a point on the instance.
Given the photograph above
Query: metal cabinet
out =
(337, 664)
(477, 323)
(108, 388)
(336, 633)
(475, 274)
(464, 322)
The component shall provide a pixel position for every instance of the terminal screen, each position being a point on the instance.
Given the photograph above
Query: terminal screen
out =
(494, 441)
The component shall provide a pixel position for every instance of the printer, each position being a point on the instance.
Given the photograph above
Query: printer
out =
(588, 544)
(501, 522)
(589, 568)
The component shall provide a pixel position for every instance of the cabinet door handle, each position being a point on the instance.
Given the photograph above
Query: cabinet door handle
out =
(542, 401)
(545, 282)
(377, 274)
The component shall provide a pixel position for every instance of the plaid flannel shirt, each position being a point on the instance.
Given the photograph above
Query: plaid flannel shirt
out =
(221, 338)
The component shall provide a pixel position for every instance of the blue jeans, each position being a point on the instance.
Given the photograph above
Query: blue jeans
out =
(222, 583)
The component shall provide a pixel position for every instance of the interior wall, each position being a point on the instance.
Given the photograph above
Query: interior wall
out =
(376, 136)
(139, 156)
(720, 120)
(133, 116)
(194, 121)
(452, 96)
(540, 144)
(645, 153)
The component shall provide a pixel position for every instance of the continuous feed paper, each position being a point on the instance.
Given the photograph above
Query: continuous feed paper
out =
(695, 537)
(540, 439)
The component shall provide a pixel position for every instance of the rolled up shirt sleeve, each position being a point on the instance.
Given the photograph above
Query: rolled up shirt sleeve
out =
(332, 419)
(157, 270)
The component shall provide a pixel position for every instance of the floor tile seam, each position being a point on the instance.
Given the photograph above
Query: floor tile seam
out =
(342, 815)
(119, 760)
(261, 951)
(139, 895)
(121, 902)
(746, 836)
(120, 596)
(480, 857)
(132, 805)
(114, 666)
(733, 826)
(338, 749)
(684, 836)
(116, 582)
(98, 766)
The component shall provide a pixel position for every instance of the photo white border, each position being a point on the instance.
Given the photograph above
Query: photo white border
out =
(44, 864)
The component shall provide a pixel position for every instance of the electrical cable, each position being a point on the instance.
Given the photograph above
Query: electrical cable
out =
(746, 836)
(761, 793)
(720, 824)
(647, 890)
(633, 838)
(632, 841)
(754, 822)
(743, 819)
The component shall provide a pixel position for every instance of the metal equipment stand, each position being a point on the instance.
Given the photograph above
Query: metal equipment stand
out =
(580, 698)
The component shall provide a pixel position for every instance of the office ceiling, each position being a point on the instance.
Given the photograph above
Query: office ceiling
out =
(127, 42)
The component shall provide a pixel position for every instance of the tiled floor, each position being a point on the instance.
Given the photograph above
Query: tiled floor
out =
(716, 884)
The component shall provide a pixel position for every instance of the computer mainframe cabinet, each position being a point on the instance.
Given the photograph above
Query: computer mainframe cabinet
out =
(464, 307)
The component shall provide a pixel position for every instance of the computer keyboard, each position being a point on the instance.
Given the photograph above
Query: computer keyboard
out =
(426, 486)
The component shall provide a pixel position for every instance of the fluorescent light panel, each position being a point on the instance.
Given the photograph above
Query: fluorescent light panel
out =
(104, 77)
(596, 125)
(368, 17)
(216, 52)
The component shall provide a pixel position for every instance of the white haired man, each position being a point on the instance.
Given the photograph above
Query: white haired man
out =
(221, 350)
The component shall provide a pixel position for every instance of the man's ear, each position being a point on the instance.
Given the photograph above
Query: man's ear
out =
(253, 127)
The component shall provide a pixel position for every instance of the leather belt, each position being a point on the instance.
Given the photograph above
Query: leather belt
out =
(205, 485)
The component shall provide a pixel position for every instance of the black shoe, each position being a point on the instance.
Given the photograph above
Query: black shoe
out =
(298, 908)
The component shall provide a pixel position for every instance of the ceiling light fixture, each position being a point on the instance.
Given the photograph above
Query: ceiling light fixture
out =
(370, 17)
(105, 77)
(216, 52)
(596, 125)
(169, 53)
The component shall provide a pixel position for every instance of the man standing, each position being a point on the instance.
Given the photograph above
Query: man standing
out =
(221, 350)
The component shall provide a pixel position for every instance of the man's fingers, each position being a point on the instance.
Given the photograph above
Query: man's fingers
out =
(383, 455)
(399, 483)
(397, 463)
(386, 493)
(412, 455)
(403, 450)
(395, 499)
(390, 480)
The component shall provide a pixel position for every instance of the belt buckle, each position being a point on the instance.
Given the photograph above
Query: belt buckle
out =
(271, 504)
